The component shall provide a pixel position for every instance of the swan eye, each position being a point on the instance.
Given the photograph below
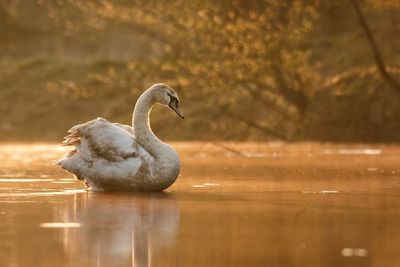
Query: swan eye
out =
(173, 99)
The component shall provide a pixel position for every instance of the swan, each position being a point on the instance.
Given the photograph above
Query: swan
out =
(116, 157)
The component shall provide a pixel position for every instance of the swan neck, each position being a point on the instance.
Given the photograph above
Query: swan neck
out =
(141, 124)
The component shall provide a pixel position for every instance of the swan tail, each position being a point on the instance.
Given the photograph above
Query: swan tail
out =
(75, 129)
(75, 164)
(79, 160)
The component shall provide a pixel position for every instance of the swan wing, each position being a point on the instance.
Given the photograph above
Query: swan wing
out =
(104, 139)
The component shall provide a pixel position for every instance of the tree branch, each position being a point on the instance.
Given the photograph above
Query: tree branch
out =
(268, 131)
(377, 56)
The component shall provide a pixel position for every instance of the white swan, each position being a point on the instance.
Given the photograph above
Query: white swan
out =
(116, 157)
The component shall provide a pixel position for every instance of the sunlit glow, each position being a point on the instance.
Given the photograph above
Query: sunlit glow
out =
(25, 154)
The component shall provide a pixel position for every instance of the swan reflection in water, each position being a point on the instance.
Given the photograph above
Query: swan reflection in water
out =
(120, 230)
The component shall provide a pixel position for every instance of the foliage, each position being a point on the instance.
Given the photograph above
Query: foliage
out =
(229, 58)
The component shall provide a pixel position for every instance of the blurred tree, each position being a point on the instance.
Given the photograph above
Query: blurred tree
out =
(255, 69)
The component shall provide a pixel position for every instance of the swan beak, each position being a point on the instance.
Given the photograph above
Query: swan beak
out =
(174, 106)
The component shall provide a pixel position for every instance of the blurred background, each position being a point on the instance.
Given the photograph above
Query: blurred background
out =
(246, 70)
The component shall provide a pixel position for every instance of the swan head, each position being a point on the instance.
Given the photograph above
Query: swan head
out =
(166, 96)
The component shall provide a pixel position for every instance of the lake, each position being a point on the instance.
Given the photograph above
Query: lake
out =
(234, 204)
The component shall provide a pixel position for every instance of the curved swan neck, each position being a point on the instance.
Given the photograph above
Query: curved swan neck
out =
(141, 124)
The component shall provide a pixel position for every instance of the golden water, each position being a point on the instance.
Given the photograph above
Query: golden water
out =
(241, 205)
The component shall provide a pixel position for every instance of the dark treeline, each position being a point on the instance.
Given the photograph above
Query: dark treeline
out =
(245, 70)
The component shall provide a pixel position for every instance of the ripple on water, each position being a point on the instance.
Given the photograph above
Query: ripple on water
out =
(205, 185)
(23, 180)
(348, 151)
(320, 192)
(60, 225)
(43, 193)
(354, 252)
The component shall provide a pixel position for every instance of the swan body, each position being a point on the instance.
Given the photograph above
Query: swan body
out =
(116, 157)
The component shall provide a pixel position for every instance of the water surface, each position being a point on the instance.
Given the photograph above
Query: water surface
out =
(233, 205)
